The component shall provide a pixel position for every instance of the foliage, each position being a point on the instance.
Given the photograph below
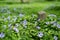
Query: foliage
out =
(16, 25)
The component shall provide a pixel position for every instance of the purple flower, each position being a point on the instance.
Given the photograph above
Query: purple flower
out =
(2, 35)
(58, 25)
(21, 15)
(55, 24)
(8, 17)
(40, 34)
(24, 22)
(15, 29)
(55, 38)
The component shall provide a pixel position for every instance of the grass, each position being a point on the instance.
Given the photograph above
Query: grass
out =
(36, 6)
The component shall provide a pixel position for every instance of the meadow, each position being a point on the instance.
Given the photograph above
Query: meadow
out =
(18, 21)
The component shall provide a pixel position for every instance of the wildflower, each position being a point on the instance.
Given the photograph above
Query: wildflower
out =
(58, 25)
(55, 24)
(47, 23)
(52, 22)
(8, 17)
(55, 38)
(38, 27)
(21, 15)
(15, 29)
(24, 22)
(2, 35)
(52, 15)
(40, 34)
(38, 19)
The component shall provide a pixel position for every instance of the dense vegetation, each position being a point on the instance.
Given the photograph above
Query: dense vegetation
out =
(19, 21)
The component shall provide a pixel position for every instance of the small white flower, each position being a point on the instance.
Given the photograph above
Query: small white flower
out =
(47, 23)
(15, 29)
(8, 17)
(40, 34)
(52, 15)
(58, 18)
(55, 38)
(38, 27)
(58, 25)
(2, 35)
(54, 23)
(38, 20)
(24, 22)
(21, 15)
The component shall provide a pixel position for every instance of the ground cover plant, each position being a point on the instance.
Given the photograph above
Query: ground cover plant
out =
(21, 23)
